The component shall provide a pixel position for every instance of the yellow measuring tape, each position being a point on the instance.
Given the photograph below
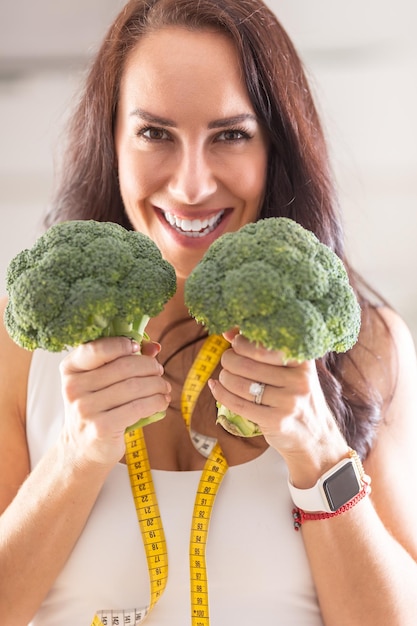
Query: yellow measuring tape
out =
(150, 523)
(147, 509)
(211, 477)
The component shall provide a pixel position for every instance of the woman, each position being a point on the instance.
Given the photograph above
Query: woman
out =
(196, 119)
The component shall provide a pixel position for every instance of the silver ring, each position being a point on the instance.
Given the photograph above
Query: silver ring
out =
(257, 391)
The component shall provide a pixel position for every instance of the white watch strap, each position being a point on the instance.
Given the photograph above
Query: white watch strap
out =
(308, 499)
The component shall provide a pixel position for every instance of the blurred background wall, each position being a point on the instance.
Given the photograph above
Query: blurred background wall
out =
(361, 57)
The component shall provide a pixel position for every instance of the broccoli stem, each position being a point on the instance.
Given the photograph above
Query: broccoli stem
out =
(118, 327)
(146, 420)
(235, 424)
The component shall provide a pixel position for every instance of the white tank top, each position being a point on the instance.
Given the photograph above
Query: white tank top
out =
(257, 568)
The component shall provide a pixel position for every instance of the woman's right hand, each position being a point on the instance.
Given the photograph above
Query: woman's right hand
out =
(108, 385)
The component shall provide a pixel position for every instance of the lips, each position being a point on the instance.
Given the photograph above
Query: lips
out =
(194, 227)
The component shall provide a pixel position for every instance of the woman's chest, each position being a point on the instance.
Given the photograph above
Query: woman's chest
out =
(256, 567)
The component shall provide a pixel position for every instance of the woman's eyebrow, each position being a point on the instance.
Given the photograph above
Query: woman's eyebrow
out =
(233, 120)
(152, 119)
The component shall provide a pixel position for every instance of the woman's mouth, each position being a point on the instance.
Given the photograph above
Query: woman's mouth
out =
(194, 227)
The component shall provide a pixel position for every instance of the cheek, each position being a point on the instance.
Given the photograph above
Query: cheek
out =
(136, 180)
(251, 184)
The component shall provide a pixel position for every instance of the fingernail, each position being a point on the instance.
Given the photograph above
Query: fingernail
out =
(211, 384)
(135, 346)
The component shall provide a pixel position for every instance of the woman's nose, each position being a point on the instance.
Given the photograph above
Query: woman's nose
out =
(192, 180)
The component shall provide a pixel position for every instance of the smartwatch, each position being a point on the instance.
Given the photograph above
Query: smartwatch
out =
(333, 490)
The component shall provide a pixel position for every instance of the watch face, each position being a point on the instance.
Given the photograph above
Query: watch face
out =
(341, 486)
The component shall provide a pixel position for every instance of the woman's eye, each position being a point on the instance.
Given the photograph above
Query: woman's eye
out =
(233, 135)
(153, 133)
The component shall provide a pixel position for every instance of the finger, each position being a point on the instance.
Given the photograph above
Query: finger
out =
(282, 385)
(248, 368)
(241, 345)
(124, 368)
(114, 420)
(231, 334)
(237, 385)
(150, 348)
(132, 391)
(235, 403)
(253, 391)
(127, 414)
(94, 354)
(78, 383)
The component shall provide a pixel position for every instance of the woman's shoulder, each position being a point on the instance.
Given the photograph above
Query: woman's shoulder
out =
(14, 373)
(14, 366)
(384, 350)
(384, 333)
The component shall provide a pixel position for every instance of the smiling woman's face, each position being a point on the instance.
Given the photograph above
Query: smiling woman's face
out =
(191, 154)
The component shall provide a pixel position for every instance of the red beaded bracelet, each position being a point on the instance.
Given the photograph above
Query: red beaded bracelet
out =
(301, 516)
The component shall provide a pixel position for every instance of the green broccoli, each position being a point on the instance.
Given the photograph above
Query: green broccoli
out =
(282, 288)
(83, 280)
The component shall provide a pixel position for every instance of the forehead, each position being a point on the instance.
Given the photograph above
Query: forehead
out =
(184, 65)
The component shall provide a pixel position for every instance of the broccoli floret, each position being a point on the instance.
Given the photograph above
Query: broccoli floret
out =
(281, 287)
(83, 280)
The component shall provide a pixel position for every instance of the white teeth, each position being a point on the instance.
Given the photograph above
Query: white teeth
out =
(194, 228)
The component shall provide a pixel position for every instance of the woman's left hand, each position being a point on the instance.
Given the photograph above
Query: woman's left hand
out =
(293, 415)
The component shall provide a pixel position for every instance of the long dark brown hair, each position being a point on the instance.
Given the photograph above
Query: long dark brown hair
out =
(299, 181)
